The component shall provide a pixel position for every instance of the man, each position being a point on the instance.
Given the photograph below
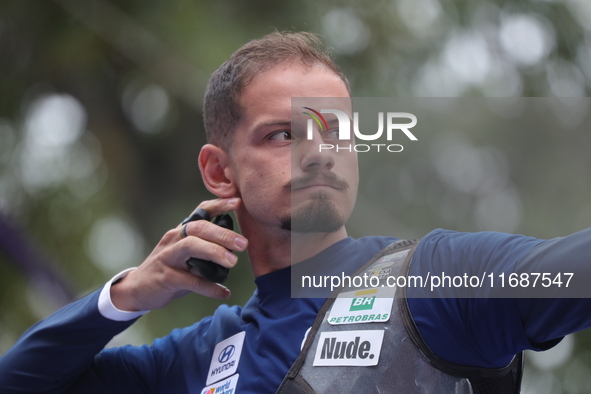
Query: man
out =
(287, 215)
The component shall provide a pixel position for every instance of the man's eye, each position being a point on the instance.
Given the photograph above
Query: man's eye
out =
(282, 135)
(332, 134)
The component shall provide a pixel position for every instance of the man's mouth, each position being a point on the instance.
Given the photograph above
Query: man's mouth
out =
(326, 179)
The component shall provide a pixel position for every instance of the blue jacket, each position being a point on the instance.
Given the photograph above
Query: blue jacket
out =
(62, 354)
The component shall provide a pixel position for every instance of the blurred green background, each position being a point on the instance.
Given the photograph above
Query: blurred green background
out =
(100, 128)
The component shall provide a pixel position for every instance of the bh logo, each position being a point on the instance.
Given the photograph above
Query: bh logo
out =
(226, 354)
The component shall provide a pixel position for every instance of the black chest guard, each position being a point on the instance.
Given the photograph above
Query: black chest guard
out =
(365, 341)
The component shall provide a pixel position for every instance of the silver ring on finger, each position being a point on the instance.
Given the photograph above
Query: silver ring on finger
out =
(184, 231)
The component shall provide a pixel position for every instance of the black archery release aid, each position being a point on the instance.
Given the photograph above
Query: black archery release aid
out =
(208, 269)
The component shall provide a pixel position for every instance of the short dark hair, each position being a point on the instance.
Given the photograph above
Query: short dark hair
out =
(221, 107)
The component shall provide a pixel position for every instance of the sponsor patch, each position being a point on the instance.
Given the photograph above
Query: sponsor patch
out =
(226, 357)
(387, 260)
(380, 273)
(227, 386)
(362, 306)
(349, 348)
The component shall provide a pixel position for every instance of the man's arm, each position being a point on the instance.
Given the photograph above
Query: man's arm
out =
(547, 319)
(52, 354)
(59, 355)
(489, 328)
(57, 352)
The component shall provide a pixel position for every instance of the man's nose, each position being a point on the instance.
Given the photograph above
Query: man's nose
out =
(313, 158)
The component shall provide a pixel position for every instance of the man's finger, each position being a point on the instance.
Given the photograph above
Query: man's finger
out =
(215, 234)
(220, 205)
(196, 284)
(198, 248)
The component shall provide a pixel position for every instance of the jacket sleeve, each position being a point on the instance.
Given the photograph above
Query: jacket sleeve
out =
(488, 327)
(550, 313)
(57, 355)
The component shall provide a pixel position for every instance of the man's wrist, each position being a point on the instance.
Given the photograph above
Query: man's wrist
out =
(106, 306)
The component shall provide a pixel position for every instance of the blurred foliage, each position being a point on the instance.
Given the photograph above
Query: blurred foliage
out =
(100, 128)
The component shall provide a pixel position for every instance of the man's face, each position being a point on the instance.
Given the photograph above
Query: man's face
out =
(283, 179)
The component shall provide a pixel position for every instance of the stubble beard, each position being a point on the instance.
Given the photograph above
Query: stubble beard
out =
(318, 216)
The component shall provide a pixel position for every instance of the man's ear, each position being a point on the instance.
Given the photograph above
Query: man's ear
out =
(216, 172)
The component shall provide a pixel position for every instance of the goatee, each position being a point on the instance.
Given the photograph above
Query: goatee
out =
(319, 215)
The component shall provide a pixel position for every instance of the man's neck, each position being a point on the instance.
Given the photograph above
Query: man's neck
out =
(273, 250)
(305, 246)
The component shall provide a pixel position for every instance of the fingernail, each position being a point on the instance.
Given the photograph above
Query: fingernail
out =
(240, 243)
(231, 257)
(227, 293)
(233, 201)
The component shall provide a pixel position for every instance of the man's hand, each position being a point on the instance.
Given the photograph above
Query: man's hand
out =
(164, 275)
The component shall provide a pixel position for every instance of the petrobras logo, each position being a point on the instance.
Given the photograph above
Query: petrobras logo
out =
(349, 348)
(363, 300)
(395, 122)
(227, 386)
(362, 306)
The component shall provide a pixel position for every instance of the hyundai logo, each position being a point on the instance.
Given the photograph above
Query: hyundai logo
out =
(226, 353)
